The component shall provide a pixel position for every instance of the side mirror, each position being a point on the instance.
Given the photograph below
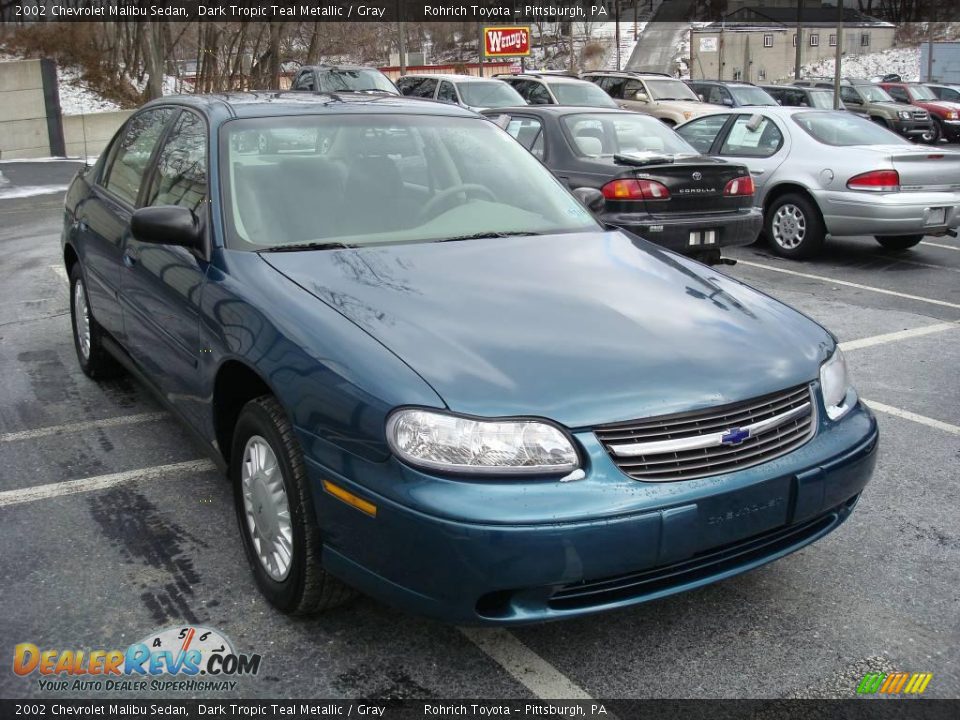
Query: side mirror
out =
(167, 225)
(591, 198)
(641, 96)
(727, 101)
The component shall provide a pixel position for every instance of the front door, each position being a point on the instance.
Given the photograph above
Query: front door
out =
(161, 284)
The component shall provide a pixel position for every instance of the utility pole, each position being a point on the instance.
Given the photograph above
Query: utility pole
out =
(635, 33)
(616, 12)
(799, 50)
(402, 35)
(838, 57)
(930, 52)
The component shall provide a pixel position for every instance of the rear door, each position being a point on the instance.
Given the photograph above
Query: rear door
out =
(161, 284)
(103, 220)
(756, 141)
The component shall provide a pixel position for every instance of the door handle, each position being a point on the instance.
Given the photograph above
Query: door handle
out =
(129, 259)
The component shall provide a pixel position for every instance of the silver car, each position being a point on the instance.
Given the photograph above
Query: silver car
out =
(476, 93)
(823, 172)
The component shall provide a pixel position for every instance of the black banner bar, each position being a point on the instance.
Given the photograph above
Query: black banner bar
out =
(854, 709)
(487, 11)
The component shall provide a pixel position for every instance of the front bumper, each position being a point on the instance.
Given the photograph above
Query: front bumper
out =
(543, 563)
(730, 229)
(902, 213)
(913, 129)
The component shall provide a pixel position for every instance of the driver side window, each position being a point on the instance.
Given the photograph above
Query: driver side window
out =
(132, 156)
(849, 95)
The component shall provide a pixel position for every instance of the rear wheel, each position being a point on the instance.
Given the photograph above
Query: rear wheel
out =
(94, 360)
(899, 242)
(275, 512)
(793, 226)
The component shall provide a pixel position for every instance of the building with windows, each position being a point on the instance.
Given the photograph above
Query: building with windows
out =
(760, 44)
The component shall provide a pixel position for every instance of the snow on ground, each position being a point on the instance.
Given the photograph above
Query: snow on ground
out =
(6, 193)
(905, 62)
(78, 99)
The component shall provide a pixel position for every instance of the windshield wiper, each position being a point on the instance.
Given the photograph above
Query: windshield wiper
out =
(296, 247)
(487, 234)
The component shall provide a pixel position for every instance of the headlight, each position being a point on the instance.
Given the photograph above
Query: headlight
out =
(838, 394)
(904, 115)
(439, 441)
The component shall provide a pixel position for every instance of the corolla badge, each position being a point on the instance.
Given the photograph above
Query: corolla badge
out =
(735, 436)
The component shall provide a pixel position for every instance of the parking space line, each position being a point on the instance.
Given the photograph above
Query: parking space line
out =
(907, 415)
(539, 676)
(81, 426)
(939, 245)
(847, 283)
(98, 482)
(896, 336)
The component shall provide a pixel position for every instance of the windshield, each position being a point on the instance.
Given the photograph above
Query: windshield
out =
(359, 80)
(373, 179)
(919, 92)
(581, 93)
(845, 129)
(492, 94)
(608, 134)
(671, 90)
(873, 93)
(747, 95)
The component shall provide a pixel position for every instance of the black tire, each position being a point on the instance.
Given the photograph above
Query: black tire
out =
(806, 220)
(936, 133)
(95, 361)
(899, 242)
(307, 588)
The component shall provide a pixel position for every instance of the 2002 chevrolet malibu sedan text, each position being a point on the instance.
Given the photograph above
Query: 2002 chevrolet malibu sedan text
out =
(433, 376)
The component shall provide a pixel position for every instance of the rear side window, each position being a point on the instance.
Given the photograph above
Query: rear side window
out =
(849, 95)
(129, 163)
(533, 92)
(702, 132)
(748, 139)
(181, 177)
(425, 88)
(529, 133)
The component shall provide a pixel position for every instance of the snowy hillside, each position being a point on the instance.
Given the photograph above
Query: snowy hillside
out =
(905, 62)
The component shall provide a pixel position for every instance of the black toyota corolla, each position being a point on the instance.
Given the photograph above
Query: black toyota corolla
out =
(654, 183)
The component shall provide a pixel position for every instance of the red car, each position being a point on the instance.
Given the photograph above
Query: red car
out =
(946, 115)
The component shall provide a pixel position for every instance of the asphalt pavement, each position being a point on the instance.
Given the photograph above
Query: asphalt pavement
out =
(144, 546)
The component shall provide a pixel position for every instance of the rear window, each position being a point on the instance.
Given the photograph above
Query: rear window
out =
(358, 80)
(608, 134)
(844, 129)
(747, 95)
(581, 93)
(491, 94)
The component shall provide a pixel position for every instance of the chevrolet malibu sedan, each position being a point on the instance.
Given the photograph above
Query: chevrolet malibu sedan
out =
(431, 375)
(825, 172)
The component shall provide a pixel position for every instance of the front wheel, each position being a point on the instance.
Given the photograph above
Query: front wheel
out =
(899, 242)
(94, 360)
(793, 227)
(936, 133)
(275, 512)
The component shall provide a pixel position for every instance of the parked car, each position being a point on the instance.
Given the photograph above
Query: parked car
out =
(793, 96)
(863, 96)
(662, 96)
(950, 93)
(822, 172)
(432, 375)
(730, 93)
(343, 78)
(475, 93)
(654, 183)
(557, 89)
(945, 115)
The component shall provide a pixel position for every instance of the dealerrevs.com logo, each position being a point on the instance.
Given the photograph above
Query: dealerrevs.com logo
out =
(187, 659)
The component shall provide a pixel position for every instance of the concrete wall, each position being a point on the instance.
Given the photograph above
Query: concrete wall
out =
(721, 56)
(27, 125)
(88, 135)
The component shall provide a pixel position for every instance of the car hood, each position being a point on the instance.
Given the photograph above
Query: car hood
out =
(583, 328)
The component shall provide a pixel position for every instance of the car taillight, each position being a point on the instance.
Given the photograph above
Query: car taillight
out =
(740, 186)
(635, 190)
(876, 181)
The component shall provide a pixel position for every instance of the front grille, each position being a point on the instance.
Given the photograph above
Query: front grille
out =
(701, 566)
(703, 443)
(919, 114)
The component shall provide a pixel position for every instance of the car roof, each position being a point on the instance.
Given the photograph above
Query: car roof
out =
(273, 103)
(452, 77)
(337, 66)
(558, 110)
(552, 77)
